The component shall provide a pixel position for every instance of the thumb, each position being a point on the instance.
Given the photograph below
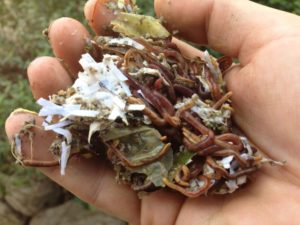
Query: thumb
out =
(236, 28)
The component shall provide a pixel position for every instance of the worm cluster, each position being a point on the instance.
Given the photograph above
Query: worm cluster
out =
(162, 119)
(186, 101)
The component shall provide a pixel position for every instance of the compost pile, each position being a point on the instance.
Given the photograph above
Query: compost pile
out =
(162, 119)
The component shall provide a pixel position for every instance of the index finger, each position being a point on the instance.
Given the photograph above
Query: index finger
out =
(237, 28)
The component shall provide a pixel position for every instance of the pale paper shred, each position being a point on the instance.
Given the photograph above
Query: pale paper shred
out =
(64, 132)
(50, 109)
(231, 170)
(56, 125)
(111, 86)
(126, 41)
(207, 170)
(150, 71)
(209, 115)
(232, 185)
(147, 120)
(126, 88)
(246, 144)
(18, 145)
(67, 110)
(129, 8)
(225, 162)
(117, 73)
(136, 107)
(83, 113)
(65, 154)
(241, 180)
(100, 84)
(117, 112)
(140, 92)
(246, 156)
(195, 184)
(204, 83)
(16, 149)
(86, 61)
(119, 102)
(49, 119)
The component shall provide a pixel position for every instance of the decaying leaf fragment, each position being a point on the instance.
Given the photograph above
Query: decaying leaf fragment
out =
(138, 144)
(134, 25)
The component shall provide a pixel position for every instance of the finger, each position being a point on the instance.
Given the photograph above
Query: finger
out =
(89, 179)
(68, 38)
(98, 16)
(161, 207)
(187, 50)
(234, 28)
(47, 76)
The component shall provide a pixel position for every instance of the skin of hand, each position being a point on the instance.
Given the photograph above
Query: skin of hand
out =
(266, 87)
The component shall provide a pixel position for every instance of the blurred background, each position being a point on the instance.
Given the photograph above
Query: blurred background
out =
(26, 196)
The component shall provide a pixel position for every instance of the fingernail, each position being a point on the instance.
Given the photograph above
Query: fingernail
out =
(22, 111)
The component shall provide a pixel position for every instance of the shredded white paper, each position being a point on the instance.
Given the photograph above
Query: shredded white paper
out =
(17, 151)
(211, 117)
(65, 154)
(50, 109)
(64, 132)
(241, 180)
(204, 83)
(149, 71)
(126, 41)
(208, 170)
(49, 119)
(247, 145)
(103, 90)
(232, 186)
(225, 162)
(136, 107)
(56, 125)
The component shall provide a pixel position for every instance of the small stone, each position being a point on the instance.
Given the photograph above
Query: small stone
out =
(8, 217)
(72, 213)
(28, 199)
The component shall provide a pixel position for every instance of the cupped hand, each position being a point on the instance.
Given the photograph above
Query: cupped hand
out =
(266, 87)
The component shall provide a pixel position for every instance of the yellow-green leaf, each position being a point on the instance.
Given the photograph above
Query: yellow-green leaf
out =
(134, 25)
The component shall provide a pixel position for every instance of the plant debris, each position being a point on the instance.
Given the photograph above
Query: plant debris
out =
(163, 120)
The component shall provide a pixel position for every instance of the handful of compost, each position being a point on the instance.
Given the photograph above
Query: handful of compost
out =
(163, 120)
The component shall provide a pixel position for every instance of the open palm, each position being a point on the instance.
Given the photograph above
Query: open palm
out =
(266, 87)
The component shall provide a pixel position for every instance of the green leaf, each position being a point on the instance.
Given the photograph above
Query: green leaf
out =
(156, 171)
(139, 143)
(183, 157)
(134, 25)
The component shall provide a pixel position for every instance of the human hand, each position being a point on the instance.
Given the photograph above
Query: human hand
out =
(266, 87)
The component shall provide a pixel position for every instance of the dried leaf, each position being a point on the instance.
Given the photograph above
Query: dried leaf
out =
(156, 171)
(134, 25)
(183, 157)
(139, 143)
